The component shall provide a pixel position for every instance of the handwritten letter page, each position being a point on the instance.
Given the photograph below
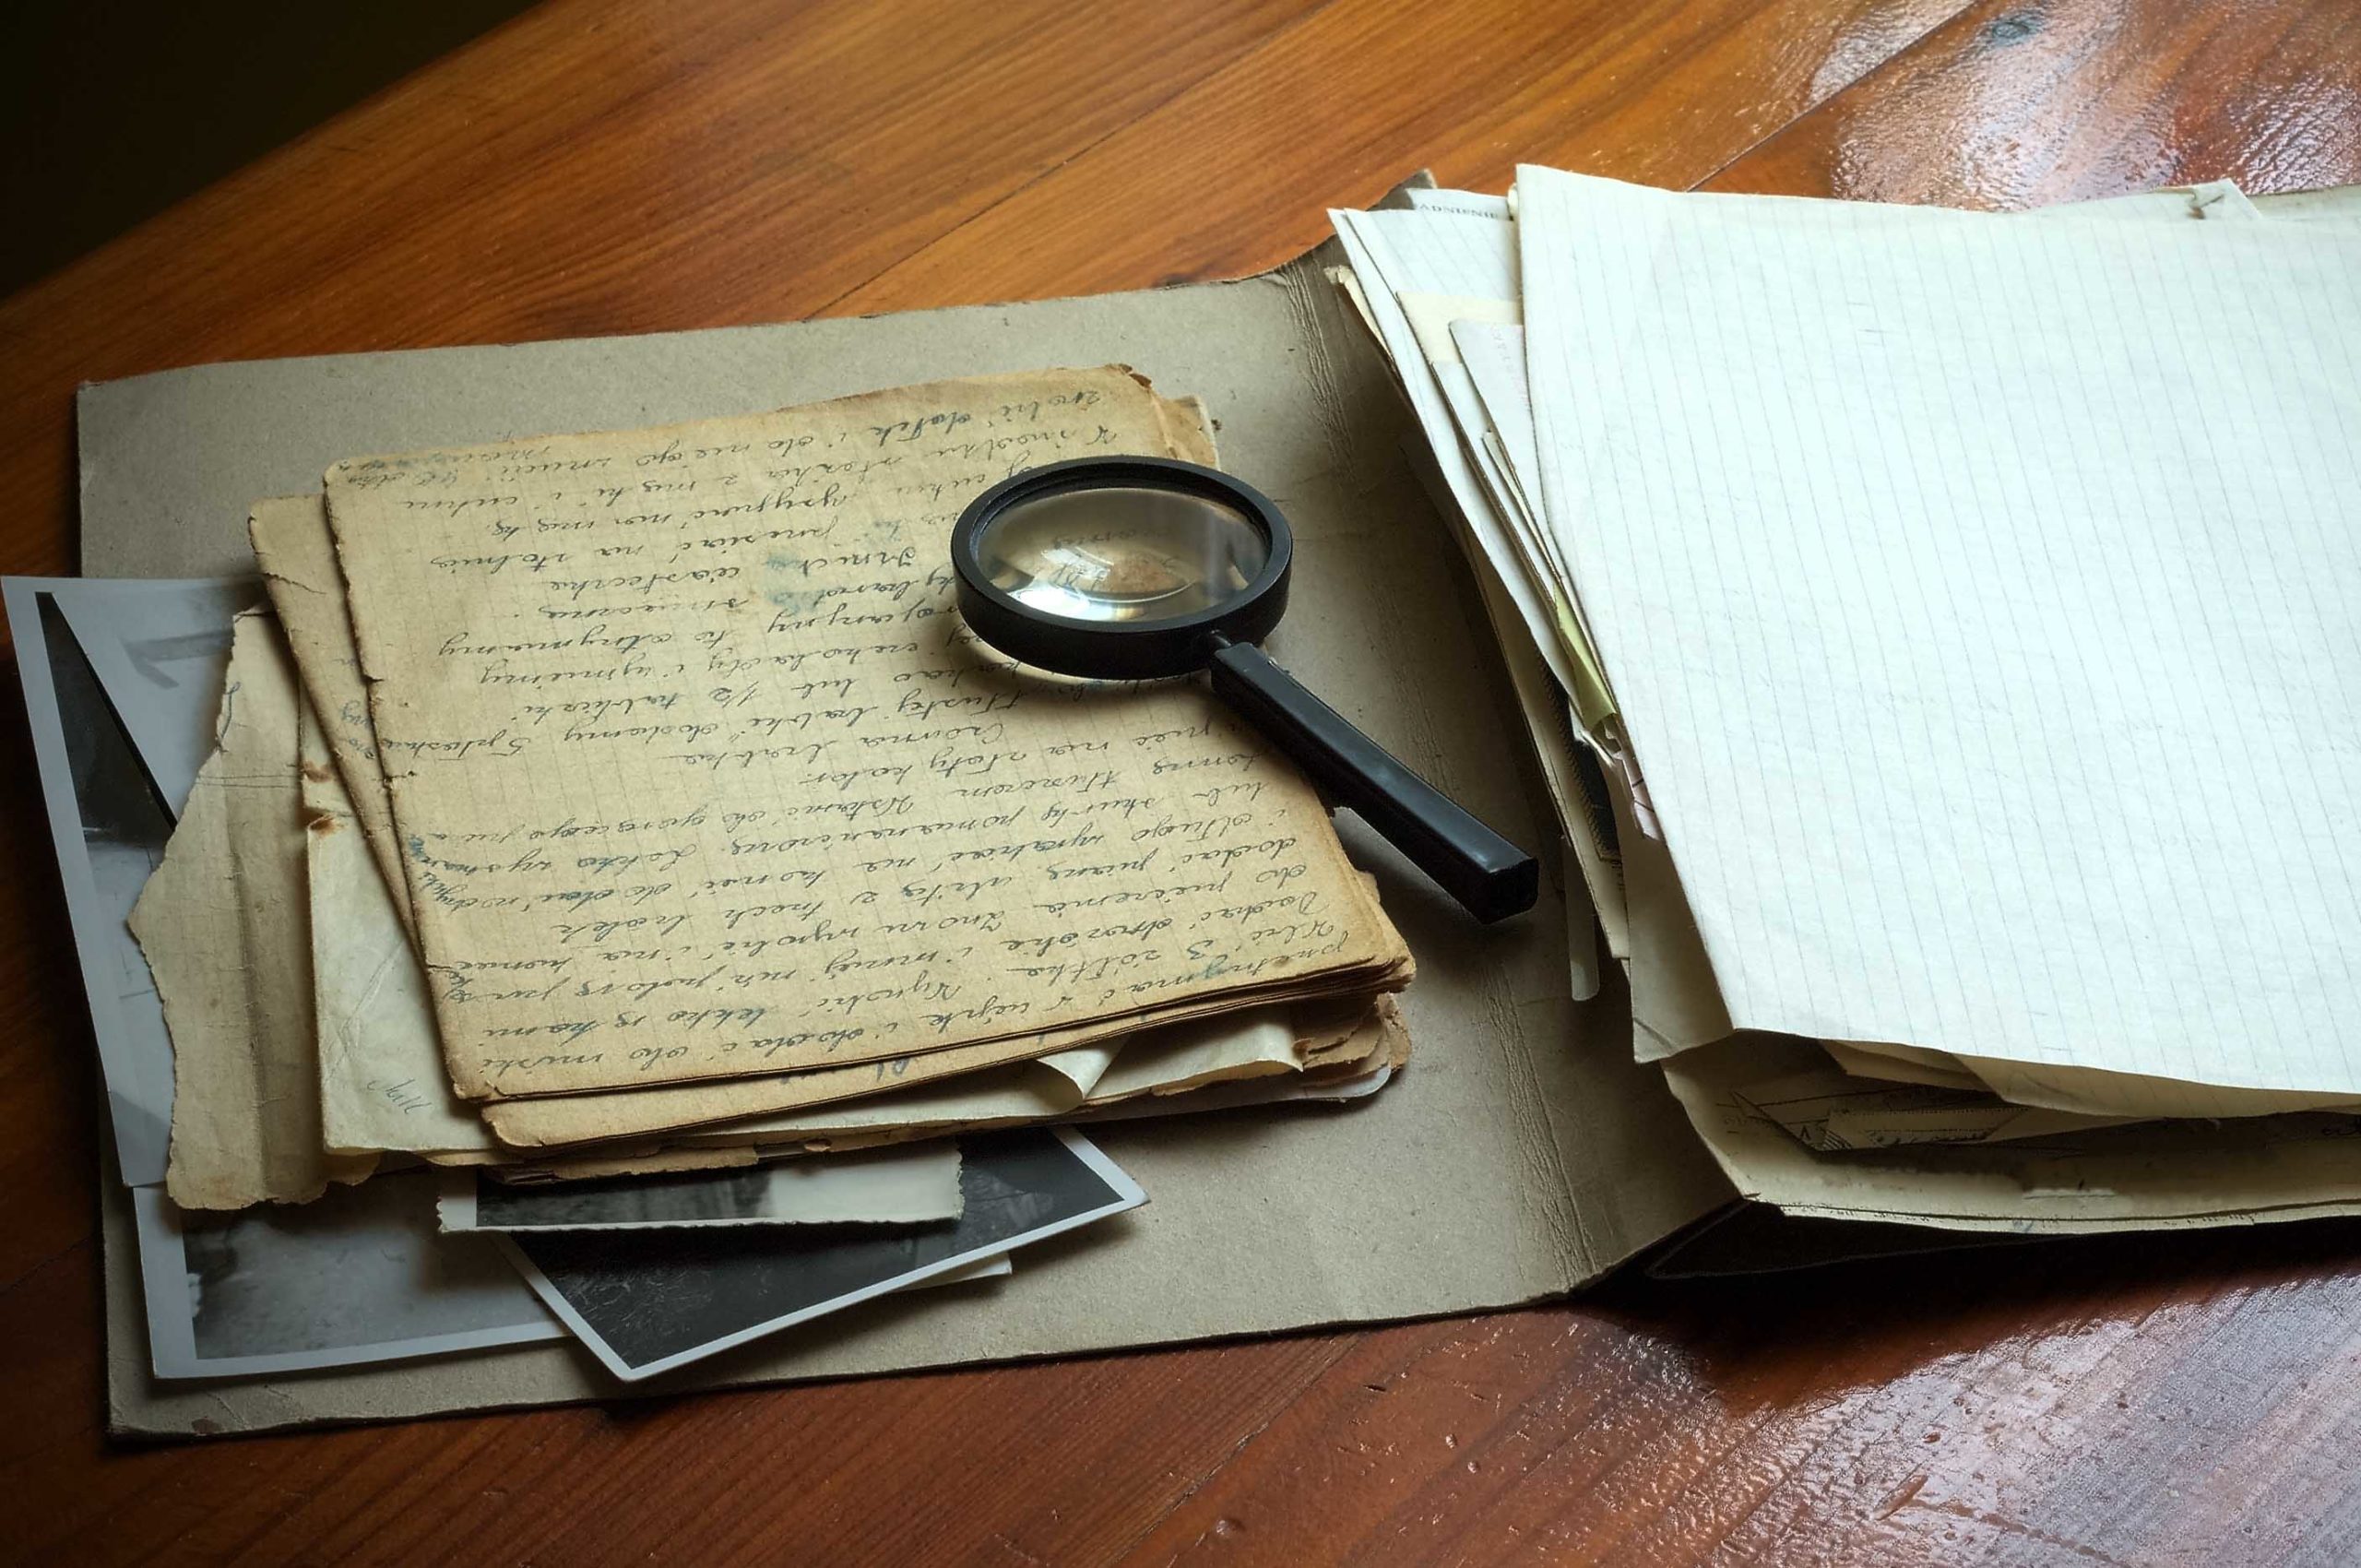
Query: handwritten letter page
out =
(698, 775)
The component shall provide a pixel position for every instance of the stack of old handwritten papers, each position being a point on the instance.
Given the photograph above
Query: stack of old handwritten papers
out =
(625, 826)
(1939, 632)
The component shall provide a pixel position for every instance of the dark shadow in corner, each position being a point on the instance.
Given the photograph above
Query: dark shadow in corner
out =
(111, 113)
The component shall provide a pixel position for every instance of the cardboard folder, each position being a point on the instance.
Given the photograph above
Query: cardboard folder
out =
(1522, 1153)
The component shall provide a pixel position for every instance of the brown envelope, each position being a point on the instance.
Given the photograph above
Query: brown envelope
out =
(1521, 1152)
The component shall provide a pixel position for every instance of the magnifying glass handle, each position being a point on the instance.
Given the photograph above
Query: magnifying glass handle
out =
(1492, 876)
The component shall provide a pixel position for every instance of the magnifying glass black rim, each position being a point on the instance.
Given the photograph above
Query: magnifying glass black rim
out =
(1171, 645)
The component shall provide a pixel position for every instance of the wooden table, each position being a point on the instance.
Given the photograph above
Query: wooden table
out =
(607, 166)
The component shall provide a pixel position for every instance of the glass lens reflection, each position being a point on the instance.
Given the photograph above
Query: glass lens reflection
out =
(1122, 554)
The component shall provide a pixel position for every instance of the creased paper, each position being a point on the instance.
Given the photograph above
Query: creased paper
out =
(298, 557)
(2152, 1175)
(223, 926)
(698, 776)
(904, 1186)
(1177, 1080)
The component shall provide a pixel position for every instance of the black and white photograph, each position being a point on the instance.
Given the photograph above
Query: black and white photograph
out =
(359, 1276)
(161, 652)
(894, 1187)
(107, 824)
(647, 1302)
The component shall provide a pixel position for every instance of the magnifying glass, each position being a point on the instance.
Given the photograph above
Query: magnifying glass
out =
(1138, 568)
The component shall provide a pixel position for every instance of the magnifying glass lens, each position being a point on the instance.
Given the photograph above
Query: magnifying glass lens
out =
(1128, 568)
(1121, 552)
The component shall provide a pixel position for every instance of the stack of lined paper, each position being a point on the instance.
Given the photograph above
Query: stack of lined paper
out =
(1939, 631)
(625, 806)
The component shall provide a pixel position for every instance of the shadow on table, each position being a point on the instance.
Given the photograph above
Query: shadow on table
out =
(1881, 1317)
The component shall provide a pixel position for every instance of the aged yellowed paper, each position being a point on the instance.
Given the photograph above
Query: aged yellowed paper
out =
(561, 1120)
(299, 571)
(1024, 1093)
(297, 554)
(698, 774)
(2147, 1176)
(382, 1085)
(223, 925)
(380, 1090)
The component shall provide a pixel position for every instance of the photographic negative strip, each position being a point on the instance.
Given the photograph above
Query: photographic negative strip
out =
(647, 1301)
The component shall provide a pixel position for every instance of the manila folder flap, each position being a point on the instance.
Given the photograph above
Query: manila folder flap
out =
(1520, 1154)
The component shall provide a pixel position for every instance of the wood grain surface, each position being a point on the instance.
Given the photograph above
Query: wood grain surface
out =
(629, 165)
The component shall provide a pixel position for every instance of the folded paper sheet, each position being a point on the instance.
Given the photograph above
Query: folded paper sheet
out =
(1674, 995)
(1481, 1143)
(224, 927)
(382, 1085)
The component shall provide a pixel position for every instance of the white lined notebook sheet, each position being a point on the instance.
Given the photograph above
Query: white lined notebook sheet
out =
(1981, 597)
(1456, 254)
